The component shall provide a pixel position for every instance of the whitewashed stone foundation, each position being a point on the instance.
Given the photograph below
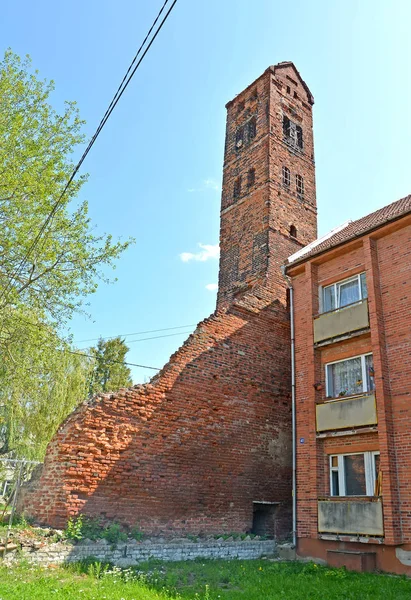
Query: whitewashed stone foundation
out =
(133, 553)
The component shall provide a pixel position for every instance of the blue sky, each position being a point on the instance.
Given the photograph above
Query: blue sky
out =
(155, 172)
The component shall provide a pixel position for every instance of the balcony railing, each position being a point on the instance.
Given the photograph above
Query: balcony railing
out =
(356, 516)
(345, 413)
(336, 323)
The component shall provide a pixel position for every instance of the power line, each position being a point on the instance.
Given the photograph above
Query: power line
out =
(122, 87)
(156, 337)
(120, 362)
(111, 337)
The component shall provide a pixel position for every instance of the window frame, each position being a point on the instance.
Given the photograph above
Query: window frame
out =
(286, 176)
(251, 129)
(293, 133)
(363, 375)
(337, 293)
(369, 473)
(299, 183)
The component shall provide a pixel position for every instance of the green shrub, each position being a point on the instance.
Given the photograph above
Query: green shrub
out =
(136, 534)
(114, 534)
(74, 529)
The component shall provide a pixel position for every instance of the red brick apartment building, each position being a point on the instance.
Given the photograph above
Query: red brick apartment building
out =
(206, 446)
(351, 294)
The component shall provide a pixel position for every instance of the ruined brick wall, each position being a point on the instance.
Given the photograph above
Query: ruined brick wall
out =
(211, 434)
(192, 450)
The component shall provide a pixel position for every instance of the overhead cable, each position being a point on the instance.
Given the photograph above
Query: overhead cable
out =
(126, 80)
(121, 335)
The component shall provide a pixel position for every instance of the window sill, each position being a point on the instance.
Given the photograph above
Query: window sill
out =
(350, 397)
(350, 498)
(340, 308)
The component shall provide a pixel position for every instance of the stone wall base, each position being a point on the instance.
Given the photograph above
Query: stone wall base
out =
(133, 553)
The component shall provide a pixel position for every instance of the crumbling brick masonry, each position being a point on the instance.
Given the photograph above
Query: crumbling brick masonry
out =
(206, 445)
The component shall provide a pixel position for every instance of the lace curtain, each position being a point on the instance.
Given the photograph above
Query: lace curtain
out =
(345, 378)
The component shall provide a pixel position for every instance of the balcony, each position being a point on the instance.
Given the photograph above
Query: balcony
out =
(345, 413)
(340, 322)
(356, 516)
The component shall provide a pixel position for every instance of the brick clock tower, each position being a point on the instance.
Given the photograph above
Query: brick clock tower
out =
(268, 208)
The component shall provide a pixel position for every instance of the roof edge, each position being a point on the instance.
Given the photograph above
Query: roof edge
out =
(289, 63)
(354, 236)
(272, 69)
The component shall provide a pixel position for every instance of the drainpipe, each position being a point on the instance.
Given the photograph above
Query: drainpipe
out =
(294, 478)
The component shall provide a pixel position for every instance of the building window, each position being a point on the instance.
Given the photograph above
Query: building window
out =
(349, 377)
(246, 133)
(293, 133)
(286, 177)
(299, 184)
(252, 129)
(293, 231)
(251, 177)
(237, 188)
(354, 474)
(239, 137)
(299, 133)
(343, 293)
(286, 126)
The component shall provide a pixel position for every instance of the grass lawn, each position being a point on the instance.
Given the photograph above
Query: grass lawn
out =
(199, 580)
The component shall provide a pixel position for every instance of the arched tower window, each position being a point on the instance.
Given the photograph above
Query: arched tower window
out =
(293, 231)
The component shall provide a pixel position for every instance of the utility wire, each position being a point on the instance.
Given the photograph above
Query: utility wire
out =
(111, 337)
(120, 362)
(156, 337)
(107, 114)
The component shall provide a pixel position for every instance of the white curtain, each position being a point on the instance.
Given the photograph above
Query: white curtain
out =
(328, 298)
(348, 292)
(345, 378)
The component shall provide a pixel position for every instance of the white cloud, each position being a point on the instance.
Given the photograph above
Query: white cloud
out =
(211, 184)
(207, 184)
(207, 251)
(212, 287)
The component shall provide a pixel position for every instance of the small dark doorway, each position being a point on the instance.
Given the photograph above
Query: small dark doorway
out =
(264, 518)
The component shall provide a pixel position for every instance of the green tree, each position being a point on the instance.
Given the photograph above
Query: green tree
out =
(41, 381)
(110, 371)
(36, 147)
